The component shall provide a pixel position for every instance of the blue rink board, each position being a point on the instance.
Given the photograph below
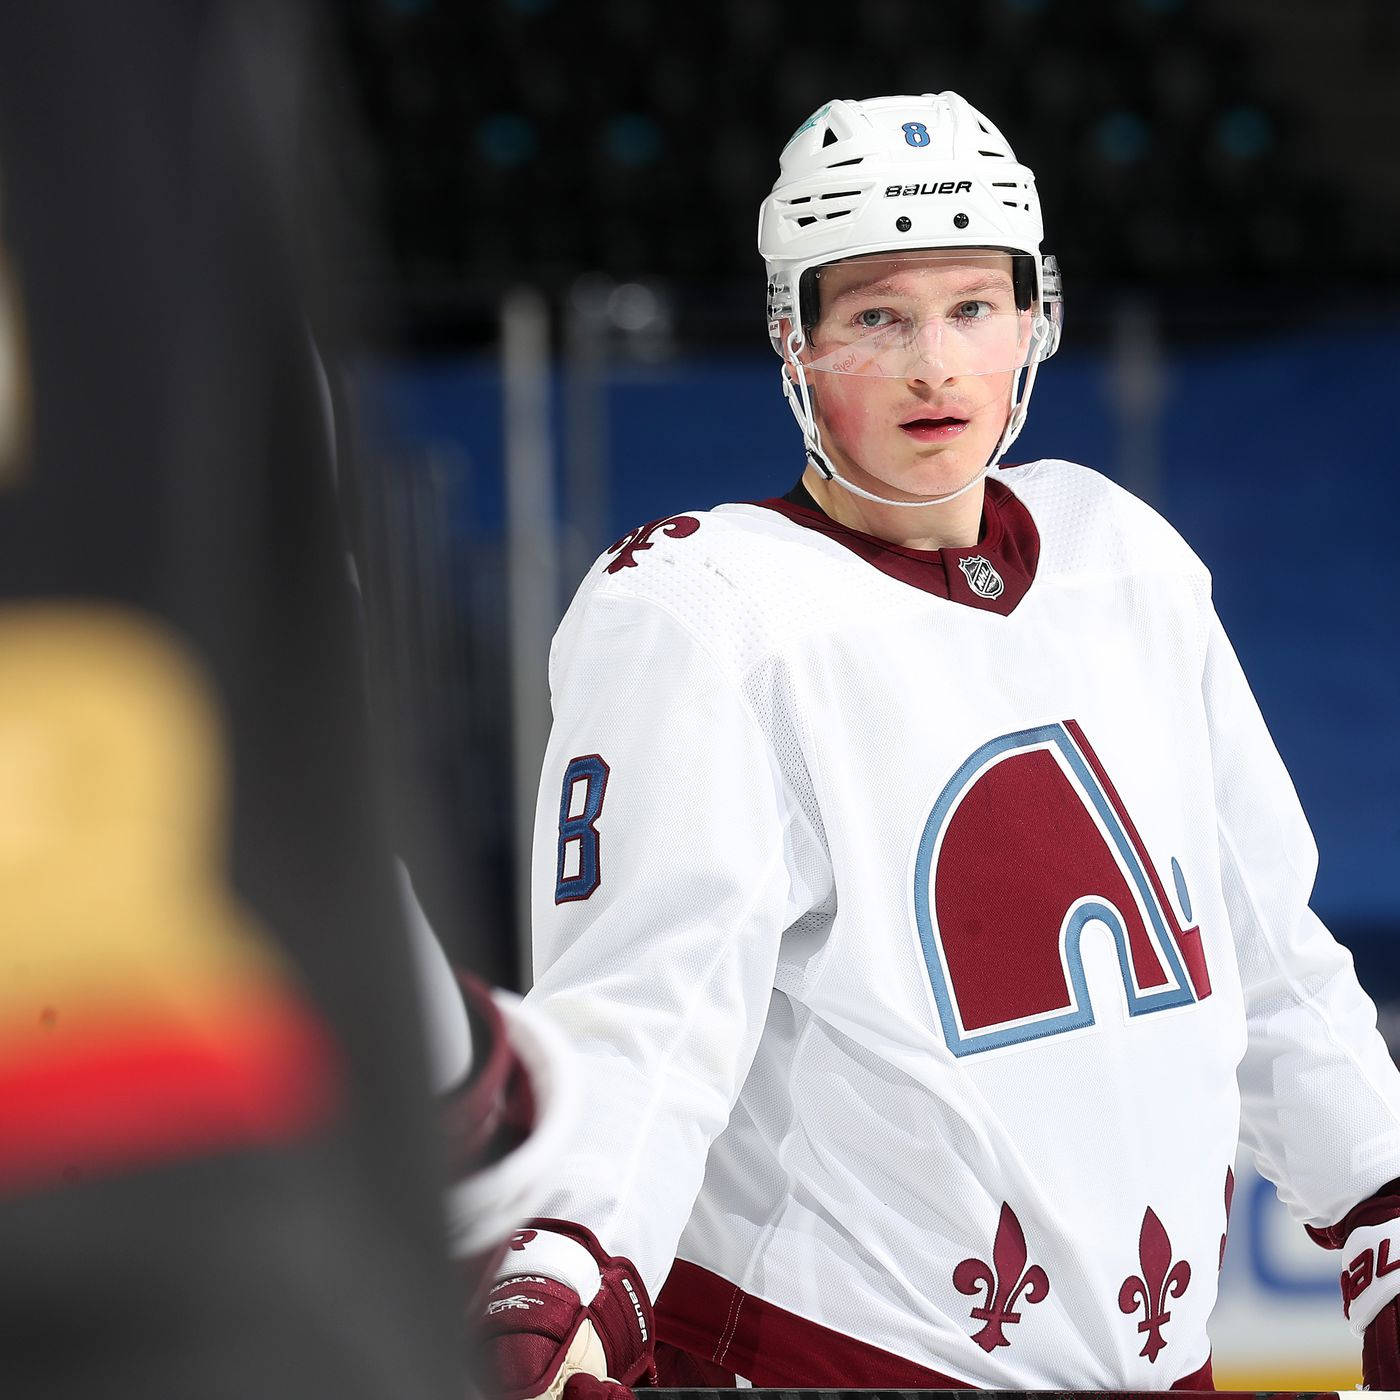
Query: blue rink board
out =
(1277, 463)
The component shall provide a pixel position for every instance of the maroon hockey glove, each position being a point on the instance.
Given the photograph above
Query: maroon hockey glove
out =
(1380, 1349)
(484, 1120)
(489, 1115)
(565, 1320)
(1369, 1235)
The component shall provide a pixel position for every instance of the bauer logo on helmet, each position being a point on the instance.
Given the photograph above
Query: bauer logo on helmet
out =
(938, 187)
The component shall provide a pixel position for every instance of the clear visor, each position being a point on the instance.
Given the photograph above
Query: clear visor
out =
(944, 313)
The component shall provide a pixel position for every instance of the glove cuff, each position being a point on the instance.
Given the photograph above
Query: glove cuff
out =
(1378, 1208)
(552, 1254)
(493, 1112)
(1371, 1276)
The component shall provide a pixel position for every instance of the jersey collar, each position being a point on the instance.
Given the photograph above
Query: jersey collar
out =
(993, 575)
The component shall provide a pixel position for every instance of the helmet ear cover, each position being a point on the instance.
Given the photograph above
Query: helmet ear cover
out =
(809, 295)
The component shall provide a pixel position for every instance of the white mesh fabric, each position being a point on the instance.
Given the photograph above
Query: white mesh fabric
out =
(771, 1087)
(660, 976)
(1320, 1100)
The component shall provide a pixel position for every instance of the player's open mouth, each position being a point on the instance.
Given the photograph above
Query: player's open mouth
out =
(933, 429)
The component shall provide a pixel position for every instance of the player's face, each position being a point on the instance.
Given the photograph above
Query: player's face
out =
(912, 364)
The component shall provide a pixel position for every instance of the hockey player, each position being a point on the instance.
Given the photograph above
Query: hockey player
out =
(916, 877)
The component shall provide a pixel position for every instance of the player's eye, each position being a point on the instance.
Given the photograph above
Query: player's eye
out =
(974, 311)
(875, 318)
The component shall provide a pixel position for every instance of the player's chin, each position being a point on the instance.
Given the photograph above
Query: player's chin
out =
(938, 473)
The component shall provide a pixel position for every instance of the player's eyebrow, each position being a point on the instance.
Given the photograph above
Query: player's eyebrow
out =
(878, 284)
(991, 282)
(979, 282)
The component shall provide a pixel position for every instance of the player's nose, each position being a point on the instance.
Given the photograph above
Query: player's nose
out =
(927, 378)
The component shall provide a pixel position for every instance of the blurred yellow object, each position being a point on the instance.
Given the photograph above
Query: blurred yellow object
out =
(126, 966)
(111, 798)
(1291, 1379)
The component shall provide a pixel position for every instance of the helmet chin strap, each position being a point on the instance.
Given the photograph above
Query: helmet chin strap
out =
(799, 400)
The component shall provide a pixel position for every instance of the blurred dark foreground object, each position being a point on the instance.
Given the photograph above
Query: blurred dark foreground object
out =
(218, 1175)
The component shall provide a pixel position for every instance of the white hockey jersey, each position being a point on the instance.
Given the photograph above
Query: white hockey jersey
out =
(929, 927)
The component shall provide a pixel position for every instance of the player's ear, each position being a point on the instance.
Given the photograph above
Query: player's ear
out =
(789, 341)
(792, 345)
(786, 332)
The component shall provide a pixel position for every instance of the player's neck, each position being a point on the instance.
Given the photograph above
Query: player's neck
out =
(955, 524)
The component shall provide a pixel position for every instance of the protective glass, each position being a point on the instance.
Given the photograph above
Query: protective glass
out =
(944, 313)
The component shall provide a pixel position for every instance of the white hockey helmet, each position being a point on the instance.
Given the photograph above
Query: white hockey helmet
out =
(900, 175)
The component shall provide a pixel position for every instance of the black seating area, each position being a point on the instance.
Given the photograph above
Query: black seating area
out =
(534, 140)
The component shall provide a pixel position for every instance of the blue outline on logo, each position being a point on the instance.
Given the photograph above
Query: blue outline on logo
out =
(1081, 1013)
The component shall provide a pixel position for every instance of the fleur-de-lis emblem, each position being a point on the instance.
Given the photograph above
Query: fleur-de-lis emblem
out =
(1004, 1282)
(627, 548)
(1159, 1280)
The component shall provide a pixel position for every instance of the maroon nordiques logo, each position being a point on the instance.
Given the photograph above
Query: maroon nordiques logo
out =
(1004, 1282)
(630, 545)
(1159, 1280)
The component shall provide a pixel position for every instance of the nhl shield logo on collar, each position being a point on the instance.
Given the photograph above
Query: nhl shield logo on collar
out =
(981, 577)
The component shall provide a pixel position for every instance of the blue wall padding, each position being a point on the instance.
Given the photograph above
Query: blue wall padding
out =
(1277, 461)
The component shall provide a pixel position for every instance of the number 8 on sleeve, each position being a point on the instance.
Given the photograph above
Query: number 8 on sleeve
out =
(580, 870)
